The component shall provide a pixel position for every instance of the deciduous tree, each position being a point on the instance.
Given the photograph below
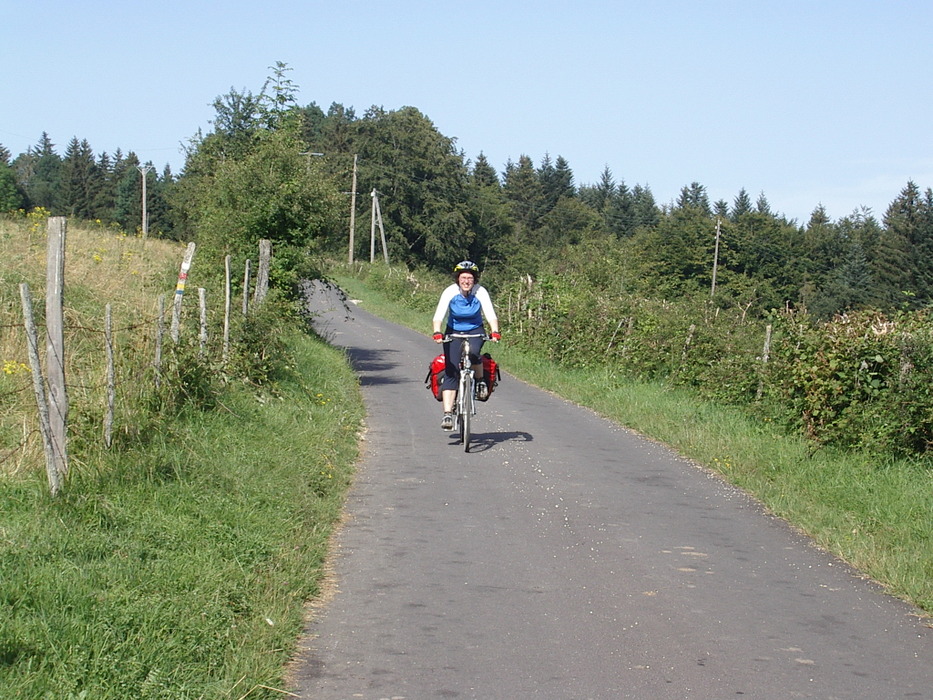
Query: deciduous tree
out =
(421, 180)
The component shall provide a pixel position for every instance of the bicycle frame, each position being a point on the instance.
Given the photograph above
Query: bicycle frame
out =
(465, 405)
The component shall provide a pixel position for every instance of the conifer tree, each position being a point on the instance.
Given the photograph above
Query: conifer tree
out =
(127, 209)
(312, 125)
(550, 188)
(11, 197)
(764, 249)
(904, 223)
(80, 180)
(43, 177)
(484, 175)
(903, 214)
(694, 197)
(645, 210)
(619, 213)
(741, 205)
(924, 248)
(522, 189)
(339, 128)
(564, 177)
(818, 217)
(762, 206)
(105, 193)
(898, 269)
(599, 195)
(157, 208)
(488, 215)
(677, 254)
(847, 286)
(546, 177)
(857, 239)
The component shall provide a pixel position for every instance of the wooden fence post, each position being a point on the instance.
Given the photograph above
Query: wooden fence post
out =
(683, 354)
(38, 384)
(262, 274)
(614, 334)
(180, 290)
(228, 295)
(246, 273)
(111, 376)
(55, 339)
(629, 321)
(202, 303)
(160, 333)
(765, 356)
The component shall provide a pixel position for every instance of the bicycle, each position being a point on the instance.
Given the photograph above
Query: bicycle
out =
(465, 405)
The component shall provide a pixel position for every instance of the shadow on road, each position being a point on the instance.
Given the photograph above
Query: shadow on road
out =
(480, 442)
(374, 366)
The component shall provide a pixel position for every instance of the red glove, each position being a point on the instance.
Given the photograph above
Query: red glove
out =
(496, 335)
(438, 337)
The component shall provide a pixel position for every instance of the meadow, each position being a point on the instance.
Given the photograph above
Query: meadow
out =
(178, 562)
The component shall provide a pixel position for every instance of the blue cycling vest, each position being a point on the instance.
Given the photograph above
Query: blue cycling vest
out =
(465, 313)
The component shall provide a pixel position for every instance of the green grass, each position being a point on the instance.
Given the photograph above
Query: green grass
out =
(181, 566)
(878, 517)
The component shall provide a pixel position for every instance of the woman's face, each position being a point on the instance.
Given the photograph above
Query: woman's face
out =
(466, 282)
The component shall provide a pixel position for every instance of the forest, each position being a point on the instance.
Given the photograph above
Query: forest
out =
(439, 205)
(585, 254)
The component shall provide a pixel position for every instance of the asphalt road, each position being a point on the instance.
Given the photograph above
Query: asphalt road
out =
(567, 557)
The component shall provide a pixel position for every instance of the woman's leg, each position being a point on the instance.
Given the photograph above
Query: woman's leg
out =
(451, 379)
(476, 358)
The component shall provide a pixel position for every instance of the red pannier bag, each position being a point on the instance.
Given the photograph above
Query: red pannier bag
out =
(436, 375)
(491, 374)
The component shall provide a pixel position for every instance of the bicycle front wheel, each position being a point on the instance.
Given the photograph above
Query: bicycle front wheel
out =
(466, 394)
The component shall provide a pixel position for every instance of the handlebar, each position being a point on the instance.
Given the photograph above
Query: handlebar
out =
(451, 336)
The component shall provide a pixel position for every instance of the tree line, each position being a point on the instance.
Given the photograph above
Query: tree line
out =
(83, 185)
(271, 168)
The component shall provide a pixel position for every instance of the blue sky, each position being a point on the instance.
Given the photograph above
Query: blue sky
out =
(809, 102)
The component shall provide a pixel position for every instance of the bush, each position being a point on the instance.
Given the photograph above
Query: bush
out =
(862, 380)
(258, 353)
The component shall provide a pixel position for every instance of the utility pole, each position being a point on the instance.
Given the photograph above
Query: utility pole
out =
(144, 170)
(309, 154)
(372, 229)
(382, 233)
(715, 258)
(353, 210)
(377, 218)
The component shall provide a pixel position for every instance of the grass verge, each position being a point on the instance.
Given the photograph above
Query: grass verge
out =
(180, 567)
(877, 517)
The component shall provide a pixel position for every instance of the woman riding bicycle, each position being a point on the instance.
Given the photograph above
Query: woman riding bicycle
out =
(464, 303)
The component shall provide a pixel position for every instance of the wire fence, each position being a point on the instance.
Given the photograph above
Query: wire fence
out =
(103, 370)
